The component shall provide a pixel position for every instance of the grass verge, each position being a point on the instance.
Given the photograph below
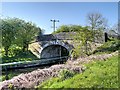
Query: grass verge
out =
(99, 74)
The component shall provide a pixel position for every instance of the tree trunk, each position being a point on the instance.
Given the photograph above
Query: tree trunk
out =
(25, 47)
(6, 51)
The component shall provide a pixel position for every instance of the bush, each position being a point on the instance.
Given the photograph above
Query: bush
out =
(108, 47)
(75, 53)
(65, 74)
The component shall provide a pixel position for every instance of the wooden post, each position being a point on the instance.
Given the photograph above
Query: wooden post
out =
(106, 37)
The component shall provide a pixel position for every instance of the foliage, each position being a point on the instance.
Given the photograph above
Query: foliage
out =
(16, 54)
(21, 56)
(63, 28)
(64, 74)
(19, 32)
(76, 52)
(48, 83)
(68, 28)
(99, 74)
(108, 47)
(83, 38)
(10, 75)
(8, 33)
(25, 32)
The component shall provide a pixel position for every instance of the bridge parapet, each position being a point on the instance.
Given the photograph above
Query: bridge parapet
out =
(58, 36)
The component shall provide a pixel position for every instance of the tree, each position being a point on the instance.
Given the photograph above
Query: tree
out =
(63, 28)
(19, 32)
(97, 23)
(83, 38)
(7, 34)
(68, 28)
(26, 32)
(75, 28)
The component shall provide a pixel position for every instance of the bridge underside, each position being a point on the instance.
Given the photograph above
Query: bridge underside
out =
(53, 51)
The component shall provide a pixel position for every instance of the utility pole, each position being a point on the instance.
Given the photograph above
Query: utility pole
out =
(54, 21)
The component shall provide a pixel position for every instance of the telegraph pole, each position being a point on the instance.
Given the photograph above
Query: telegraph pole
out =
(54, 21)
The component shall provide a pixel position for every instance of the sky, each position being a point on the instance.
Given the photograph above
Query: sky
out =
(67, 13)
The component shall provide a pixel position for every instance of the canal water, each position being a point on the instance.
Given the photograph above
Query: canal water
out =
(8, 74)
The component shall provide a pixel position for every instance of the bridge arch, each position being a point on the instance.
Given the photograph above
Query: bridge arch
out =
(55, 49)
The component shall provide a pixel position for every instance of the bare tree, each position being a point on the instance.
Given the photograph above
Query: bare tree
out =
(97, 23)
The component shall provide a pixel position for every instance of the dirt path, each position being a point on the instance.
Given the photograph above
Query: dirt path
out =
(29, 80)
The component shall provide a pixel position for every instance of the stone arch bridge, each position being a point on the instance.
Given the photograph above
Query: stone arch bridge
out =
(52, 45)
(55, 45)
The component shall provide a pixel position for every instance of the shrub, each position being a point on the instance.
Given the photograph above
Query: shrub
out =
(64, 74)
(75, 53)
(108, 47)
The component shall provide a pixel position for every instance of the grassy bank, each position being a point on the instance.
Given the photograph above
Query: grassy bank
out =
(108, 47)
(99, 74)
(22, 56)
